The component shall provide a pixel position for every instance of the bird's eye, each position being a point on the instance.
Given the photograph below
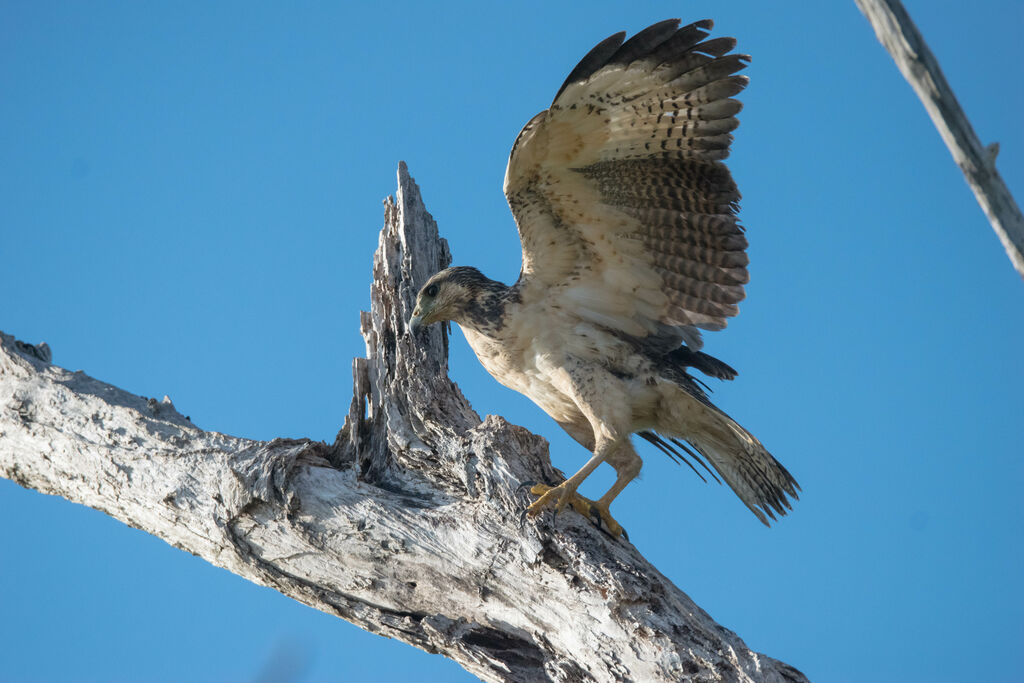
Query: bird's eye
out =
(431, 290)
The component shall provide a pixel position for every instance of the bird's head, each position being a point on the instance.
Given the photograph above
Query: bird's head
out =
(445, 296)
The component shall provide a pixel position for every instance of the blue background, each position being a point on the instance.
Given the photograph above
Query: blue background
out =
(189, 202)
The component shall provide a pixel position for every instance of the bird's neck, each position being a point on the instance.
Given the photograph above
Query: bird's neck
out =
(485, 312)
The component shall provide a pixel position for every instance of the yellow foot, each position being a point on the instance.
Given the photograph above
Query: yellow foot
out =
(560, 496)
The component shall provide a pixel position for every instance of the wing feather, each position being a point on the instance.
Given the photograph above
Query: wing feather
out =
(593, 60)
(626, 213)
(645, 42)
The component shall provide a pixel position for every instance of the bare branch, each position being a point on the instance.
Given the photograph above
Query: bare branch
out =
(407, 526)
(918, 65)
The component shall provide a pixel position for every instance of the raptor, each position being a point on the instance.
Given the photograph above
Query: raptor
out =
(630, 246)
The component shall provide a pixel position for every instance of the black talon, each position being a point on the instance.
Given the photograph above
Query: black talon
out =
(526, 485)
(601, 525)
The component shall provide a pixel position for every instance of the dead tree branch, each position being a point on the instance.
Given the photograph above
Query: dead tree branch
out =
(408, 525)
(900, 36)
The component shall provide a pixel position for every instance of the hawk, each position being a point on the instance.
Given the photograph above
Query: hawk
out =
(631, 246)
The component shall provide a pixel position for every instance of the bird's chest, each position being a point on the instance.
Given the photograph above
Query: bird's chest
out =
(496, 357)
(520, 365)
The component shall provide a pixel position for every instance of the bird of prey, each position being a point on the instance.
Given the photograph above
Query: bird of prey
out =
(631, 246)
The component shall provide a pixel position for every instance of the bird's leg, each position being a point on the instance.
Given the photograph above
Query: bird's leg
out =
(565, 493)
(627, 465)
(626, 462)
(606, 413)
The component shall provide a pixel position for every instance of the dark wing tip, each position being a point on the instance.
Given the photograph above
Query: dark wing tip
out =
(716, 47)
(677, 457)
(594, 60)
(644, 42)
(707, 364)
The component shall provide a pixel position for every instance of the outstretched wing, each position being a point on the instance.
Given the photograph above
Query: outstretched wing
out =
(626, 213)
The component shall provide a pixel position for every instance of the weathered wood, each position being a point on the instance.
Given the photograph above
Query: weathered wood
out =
(897, 32)
(407, 526)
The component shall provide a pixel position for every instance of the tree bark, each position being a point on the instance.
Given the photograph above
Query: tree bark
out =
(897, 32)
(407, 526)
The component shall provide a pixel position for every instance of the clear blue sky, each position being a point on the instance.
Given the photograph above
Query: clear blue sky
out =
(189, 202)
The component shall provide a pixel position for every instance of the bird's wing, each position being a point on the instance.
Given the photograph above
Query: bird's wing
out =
(626, 213)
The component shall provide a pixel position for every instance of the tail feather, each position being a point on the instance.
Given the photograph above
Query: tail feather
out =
(760, 481)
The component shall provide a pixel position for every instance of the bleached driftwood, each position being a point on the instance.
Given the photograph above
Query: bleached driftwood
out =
(408, 525)
(897, 32)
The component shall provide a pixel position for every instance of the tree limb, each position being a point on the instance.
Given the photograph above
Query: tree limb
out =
(897, 32)
(408, 525)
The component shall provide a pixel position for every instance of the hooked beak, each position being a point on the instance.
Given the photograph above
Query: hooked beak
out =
(419, 320)
(415, 323)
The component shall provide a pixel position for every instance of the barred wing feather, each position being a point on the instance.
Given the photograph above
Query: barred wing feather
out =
(626, 213)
